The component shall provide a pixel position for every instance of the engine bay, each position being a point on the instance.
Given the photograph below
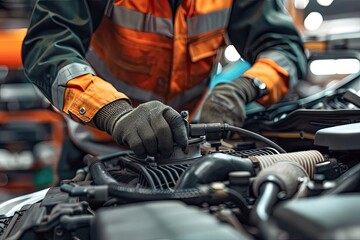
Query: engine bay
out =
(212, 190)
(292, 172)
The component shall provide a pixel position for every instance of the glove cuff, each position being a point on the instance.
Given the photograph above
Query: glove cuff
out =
(246, 89)
(107, 116)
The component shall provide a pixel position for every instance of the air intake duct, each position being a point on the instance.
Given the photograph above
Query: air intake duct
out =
(307, 159)
(213, 167)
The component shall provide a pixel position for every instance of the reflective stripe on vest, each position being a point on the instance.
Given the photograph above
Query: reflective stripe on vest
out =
(138, 93)
(164, 26)
(64, 75)
(141, 22)
(207, 22)
(152, 55)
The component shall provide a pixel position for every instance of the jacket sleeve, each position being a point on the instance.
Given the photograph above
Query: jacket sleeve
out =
(53, 55)
(264, 34)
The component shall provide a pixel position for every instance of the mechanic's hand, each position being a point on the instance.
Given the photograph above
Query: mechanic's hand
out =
(150, 129)
(226, 103)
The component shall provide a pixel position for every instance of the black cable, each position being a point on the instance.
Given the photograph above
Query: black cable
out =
(202, 129)
(114, 155)
(257, 137)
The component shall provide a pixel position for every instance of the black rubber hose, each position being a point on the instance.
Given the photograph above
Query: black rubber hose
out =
(193, 195)
(238, 200)
(80, 175)
(263, 207)
(102, 177)
(262, 210)
(98, 171)
(284, 177)
(213, 168)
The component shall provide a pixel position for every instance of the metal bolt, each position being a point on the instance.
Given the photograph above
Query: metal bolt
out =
(59, 231)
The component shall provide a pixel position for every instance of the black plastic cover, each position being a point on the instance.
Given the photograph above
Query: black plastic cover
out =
(344, 137)
(331, 217)
(22, 223)
(55, 196)
(160, 220)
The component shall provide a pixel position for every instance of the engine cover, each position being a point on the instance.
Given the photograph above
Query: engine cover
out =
(160, 220)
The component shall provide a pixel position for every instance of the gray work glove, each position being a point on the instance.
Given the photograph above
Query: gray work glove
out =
(226, 103)
(149, 129)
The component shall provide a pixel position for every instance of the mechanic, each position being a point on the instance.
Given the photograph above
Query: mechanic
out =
(128, 67)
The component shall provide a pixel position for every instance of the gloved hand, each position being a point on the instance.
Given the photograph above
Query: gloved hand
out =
(149, 129)
(226, 103)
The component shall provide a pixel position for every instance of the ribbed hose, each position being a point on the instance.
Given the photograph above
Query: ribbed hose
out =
(191, 195)
(195, 196)
(307, 159)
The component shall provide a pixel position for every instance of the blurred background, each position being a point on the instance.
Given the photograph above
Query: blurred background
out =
(32, 134)
(331, 33)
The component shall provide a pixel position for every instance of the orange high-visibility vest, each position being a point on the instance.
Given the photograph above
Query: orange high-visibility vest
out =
(147, 54)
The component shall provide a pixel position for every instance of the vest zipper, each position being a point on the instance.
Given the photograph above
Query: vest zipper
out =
(174, 4)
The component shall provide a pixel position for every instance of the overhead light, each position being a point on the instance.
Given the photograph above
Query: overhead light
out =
(301, 4)
(325, 3)
(323, 67)
(335, 66)
(313, 21)
(347, 66)
(231, 54)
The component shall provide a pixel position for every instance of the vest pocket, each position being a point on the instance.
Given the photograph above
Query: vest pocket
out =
(205, 47)
(202, 54)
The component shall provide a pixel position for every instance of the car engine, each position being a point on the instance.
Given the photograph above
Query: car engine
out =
(296, 177)
(216, 190)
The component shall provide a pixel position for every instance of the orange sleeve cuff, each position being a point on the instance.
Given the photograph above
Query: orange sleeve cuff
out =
(86, 95)
(275, 77)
